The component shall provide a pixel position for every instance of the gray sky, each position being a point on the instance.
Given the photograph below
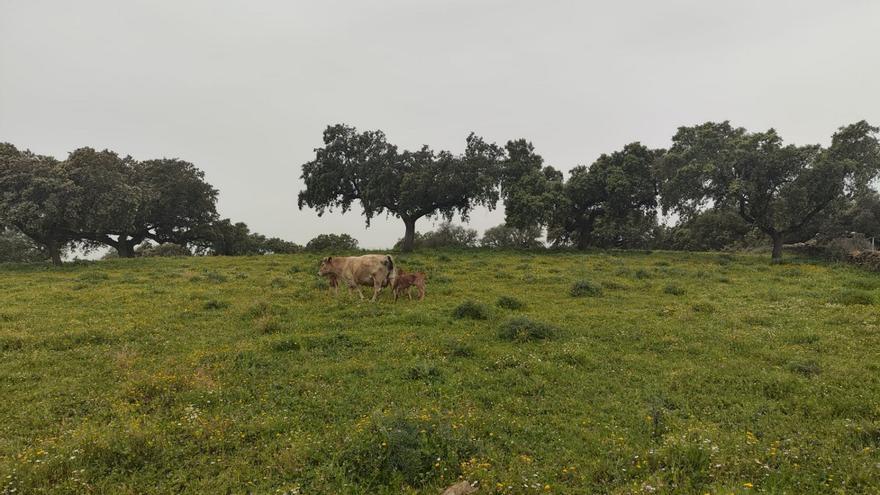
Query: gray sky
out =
(244, 89)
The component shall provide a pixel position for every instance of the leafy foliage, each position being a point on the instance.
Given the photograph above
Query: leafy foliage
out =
(506, 237)
(780, 189)
(447, 235)
(611, 203)
(332, 242)
(472, 310)
(16, 247)
(525, 330)
(364, 168)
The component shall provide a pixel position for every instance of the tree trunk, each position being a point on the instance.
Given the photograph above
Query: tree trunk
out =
(777, 247)
(125, 248)
(54, 251)
(409, 236)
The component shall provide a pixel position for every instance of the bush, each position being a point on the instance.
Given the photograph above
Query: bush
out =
(395, 451)
(585, 288)
(852, 297)
(526, 330)
(423, 371)
(332, 242)
(15, 247)
(472, 310)
(673, 290)
(508, 302)
(215, 304)
(167, 249)
(505, 237)
(703, 307)
(447, 235)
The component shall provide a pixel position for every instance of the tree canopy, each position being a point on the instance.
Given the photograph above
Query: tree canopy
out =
(97, 197)
(364, 168)
(611, 203)
(780, 189)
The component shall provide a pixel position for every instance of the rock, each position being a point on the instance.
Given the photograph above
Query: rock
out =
(460, 488)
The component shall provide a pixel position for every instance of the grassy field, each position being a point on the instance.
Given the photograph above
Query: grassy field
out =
(530, 373)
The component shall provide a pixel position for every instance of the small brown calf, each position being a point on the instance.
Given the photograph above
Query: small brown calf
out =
(407, 280)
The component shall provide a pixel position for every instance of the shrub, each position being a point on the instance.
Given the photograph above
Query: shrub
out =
(447, 235)
(472, 310)
(286, 345)
(525, 330)
(332, 242)
(215, 304)
(458, 349)
(268, 324)
(167, 249)
(852, 297)
(585, 288)
(508, 302)
(703, 307)
(391, 451)
(423, 371)
(673, 290)
(507, 237)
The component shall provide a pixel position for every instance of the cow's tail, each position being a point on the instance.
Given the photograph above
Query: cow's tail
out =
(389, 264)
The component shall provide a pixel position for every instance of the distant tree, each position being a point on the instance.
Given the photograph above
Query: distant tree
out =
(332, 242)
(275, 245)
(859, 213)
(531, 191)
(233, 239)
(506, 237)
(447, 235)
(779, 189)
(168, 249)
(709, 230)
(611, 203)
(363, 167)
(164, 200)
(38, 199)
(16, 247)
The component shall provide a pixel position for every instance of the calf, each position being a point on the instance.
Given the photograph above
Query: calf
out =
(354, 271)
(332, 283)
(406, 280)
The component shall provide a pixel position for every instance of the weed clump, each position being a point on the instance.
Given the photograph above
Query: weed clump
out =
(703, 307)
(853, 297)
(268, 324)
(585, 288)
(508, 302)
(674, 290)
(396, 451)
(526, 330)
(423, 371)
(472, 310)
(213, 304)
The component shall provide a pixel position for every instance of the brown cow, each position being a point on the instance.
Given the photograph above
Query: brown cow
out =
(369, 269)
(407, 280)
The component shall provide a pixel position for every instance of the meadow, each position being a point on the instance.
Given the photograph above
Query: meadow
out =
(598, 372)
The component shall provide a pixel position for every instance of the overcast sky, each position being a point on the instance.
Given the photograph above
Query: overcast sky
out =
(244, 89)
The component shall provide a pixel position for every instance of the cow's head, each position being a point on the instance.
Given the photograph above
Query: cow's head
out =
(326, 267)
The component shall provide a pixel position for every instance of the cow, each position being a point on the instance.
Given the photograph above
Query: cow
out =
(370, 269)
(405, 281)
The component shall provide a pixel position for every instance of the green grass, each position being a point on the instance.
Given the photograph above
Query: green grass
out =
(692, 373)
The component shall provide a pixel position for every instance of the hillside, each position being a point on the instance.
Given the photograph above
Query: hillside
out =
(666, 373)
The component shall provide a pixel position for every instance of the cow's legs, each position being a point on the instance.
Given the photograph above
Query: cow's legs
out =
(421, 292)
(377, 286)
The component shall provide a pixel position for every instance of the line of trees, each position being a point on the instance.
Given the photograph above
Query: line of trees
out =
(714, 175)
(99, 198)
